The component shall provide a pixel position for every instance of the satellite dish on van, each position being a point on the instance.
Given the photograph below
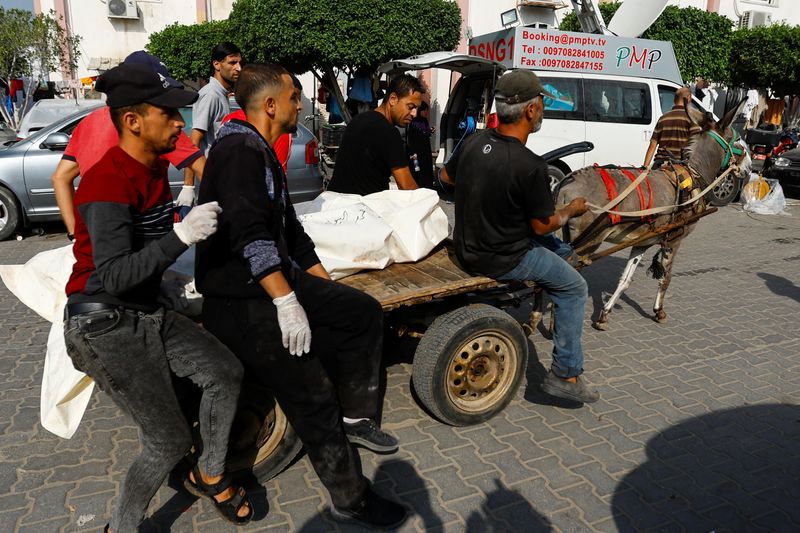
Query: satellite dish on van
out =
(635, 16)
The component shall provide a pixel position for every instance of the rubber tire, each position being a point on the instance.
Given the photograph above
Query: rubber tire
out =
(556, 176)
(284, 445)
(435, 351)
(731, 184)
(9, 207)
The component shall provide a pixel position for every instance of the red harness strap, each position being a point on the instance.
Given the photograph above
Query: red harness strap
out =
(611, 187)
(631, 177)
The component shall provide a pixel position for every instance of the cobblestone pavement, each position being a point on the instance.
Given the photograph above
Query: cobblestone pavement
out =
(697, 429)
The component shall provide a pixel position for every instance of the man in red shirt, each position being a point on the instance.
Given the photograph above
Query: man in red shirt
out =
(96, 134)
(115, 330)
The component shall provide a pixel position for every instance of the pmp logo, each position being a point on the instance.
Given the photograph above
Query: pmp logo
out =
(487, 148)
(164, 82)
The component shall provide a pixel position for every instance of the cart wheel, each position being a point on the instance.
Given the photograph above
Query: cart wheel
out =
(469, 364)
(261, 437)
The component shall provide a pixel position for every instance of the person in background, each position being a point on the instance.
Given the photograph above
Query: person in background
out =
(114, 329)
(418, 141)
(673, 131)
(372, 150)
(96, 134)
(213, 105)
(705, 93)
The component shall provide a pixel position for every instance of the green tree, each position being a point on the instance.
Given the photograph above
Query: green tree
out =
(766, 57)
(701, 40)
(322, 36)
(186, 49)
(32, 46)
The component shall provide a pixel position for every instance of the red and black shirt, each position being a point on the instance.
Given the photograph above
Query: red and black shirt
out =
(123, 233)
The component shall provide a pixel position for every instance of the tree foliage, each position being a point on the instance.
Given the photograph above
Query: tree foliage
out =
(321, 36)
(701, 40)
(767, 57)
(33, 46)
(186, 49)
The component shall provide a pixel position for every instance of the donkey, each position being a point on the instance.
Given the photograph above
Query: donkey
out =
(709, 154)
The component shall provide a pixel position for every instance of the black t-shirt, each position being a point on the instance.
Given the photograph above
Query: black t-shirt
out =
(370, 149)
(500, 187)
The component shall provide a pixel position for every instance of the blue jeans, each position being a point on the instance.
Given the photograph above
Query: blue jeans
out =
(131, 356)
(567, 289)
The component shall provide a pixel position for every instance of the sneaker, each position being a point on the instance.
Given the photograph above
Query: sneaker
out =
(366, 433)
(373, 512)
(561, 388)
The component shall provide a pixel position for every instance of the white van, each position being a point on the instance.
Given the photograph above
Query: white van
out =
(615, 112)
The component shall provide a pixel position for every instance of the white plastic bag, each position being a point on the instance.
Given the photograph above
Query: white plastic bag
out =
(40, 284)
(771, 203)
(353, 233)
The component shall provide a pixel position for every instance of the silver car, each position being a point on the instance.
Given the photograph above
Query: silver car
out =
(26, 192)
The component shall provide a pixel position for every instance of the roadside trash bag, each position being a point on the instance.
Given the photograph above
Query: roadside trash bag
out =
(353, 232)
(763, 196)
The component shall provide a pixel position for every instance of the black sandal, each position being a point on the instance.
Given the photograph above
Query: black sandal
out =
(229, 509)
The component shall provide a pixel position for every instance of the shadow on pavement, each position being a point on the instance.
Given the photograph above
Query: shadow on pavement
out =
(399, 481)
(517, 514)
(780, 286)
(731, 470)
(603, 278)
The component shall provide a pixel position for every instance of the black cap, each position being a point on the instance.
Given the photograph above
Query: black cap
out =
(519, 86)
(140, 57)
(135, 84)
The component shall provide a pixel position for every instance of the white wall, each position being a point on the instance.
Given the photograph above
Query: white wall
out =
(116, 38)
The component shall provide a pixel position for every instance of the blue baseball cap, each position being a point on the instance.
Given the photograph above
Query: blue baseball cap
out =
(140, 57)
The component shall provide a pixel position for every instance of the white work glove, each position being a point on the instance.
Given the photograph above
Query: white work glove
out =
(186, 196)
(295, 331)
(199, 224)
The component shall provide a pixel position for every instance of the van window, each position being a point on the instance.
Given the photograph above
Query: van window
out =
(568, 98)
(617, 101)
(666, 97)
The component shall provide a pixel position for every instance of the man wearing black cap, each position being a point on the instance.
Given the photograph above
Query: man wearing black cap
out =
(505, 217)
(96, 134)
(114, 329)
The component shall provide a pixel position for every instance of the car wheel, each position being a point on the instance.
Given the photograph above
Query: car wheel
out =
(469, 364)
(9, 214)
(725, 191)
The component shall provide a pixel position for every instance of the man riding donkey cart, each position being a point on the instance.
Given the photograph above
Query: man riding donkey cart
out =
(505, 214)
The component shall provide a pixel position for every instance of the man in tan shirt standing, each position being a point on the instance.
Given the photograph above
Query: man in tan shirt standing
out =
(673, 131)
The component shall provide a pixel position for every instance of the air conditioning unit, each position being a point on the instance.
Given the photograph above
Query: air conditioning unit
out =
(122, 9)
(754, 19)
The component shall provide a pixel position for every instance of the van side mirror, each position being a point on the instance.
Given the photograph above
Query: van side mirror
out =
(56, 141)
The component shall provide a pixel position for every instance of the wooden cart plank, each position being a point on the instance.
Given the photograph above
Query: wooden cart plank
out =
(400, 284)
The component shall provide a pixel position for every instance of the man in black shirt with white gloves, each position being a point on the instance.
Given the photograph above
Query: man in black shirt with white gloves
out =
(372, 150)
(315, 343)
(504, 220)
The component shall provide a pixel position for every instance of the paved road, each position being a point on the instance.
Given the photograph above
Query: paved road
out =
(697, 430)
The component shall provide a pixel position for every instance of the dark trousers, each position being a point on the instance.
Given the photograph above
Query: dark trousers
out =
(338, 378)
(131, 356)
